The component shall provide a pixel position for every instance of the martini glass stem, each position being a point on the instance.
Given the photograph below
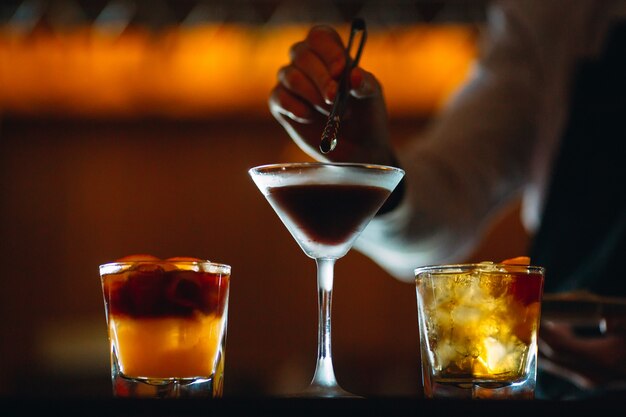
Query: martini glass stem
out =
(324, 377)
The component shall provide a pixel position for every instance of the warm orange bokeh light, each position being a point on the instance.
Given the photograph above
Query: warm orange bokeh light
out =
(210, 70)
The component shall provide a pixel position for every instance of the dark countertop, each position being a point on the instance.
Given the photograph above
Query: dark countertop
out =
(605, 406)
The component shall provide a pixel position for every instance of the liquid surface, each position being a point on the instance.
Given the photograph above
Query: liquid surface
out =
(326, 214)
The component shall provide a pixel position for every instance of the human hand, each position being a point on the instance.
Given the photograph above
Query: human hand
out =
(306, 89)
(589, 362)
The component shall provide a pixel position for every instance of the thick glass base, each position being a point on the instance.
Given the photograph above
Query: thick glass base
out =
(166, 388)
(141, 387)
(436, 386)
(321, 391)
(524, 390)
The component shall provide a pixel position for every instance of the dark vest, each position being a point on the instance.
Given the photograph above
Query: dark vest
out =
(582, 238)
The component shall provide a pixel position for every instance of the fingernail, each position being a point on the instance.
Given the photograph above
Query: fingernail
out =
(356, 79)
(331, 92)
(336, 68)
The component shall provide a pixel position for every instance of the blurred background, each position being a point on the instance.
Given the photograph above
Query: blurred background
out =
(128, 126)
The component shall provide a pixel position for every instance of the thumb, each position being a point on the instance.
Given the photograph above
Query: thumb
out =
(363, 84)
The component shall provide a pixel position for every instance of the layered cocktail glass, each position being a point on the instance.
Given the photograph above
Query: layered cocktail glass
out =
(167, 325)
(478, 327)
(325, 207)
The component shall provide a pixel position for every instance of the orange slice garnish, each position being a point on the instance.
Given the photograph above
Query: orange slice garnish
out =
(519, 260)
(138, 257)
(183, 259)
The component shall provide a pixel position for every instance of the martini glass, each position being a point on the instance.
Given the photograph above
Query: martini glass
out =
(325, 207)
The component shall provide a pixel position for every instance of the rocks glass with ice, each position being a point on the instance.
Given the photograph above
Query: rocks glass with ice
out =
(478, 328)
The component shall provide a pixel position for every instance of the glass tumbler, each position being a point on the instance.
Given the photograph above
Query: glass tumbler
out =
(167, 325)
(478, 327)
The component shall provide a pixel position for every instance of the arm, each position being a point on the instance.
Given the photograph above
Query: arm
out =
(472, 160)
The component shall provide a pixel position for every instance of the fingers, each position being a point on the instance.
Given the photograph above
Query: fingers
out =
(315, 67)
(304, 59)
(307, 82)
(325, 42)
(363, 84)
(306, 89)
(565, 372)
(558, 339)
(283, 103)
(298, 119)
(320, 59)
(585, 362)
(299, 84)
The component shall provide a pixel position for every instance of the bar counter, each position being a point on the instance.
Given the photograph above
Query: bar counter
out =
(608, 405)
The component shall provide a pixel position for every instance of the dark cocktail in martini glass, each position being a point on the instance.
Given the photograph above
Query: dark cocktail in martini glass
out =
(325, 207)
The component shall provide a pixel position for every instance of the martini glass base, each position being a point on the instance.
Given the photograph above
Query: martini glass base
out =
(324, 384)
(320, 391)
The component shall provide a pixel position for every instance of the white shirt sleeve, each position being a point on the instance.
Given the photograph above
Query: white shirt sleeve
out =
(471, 161)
